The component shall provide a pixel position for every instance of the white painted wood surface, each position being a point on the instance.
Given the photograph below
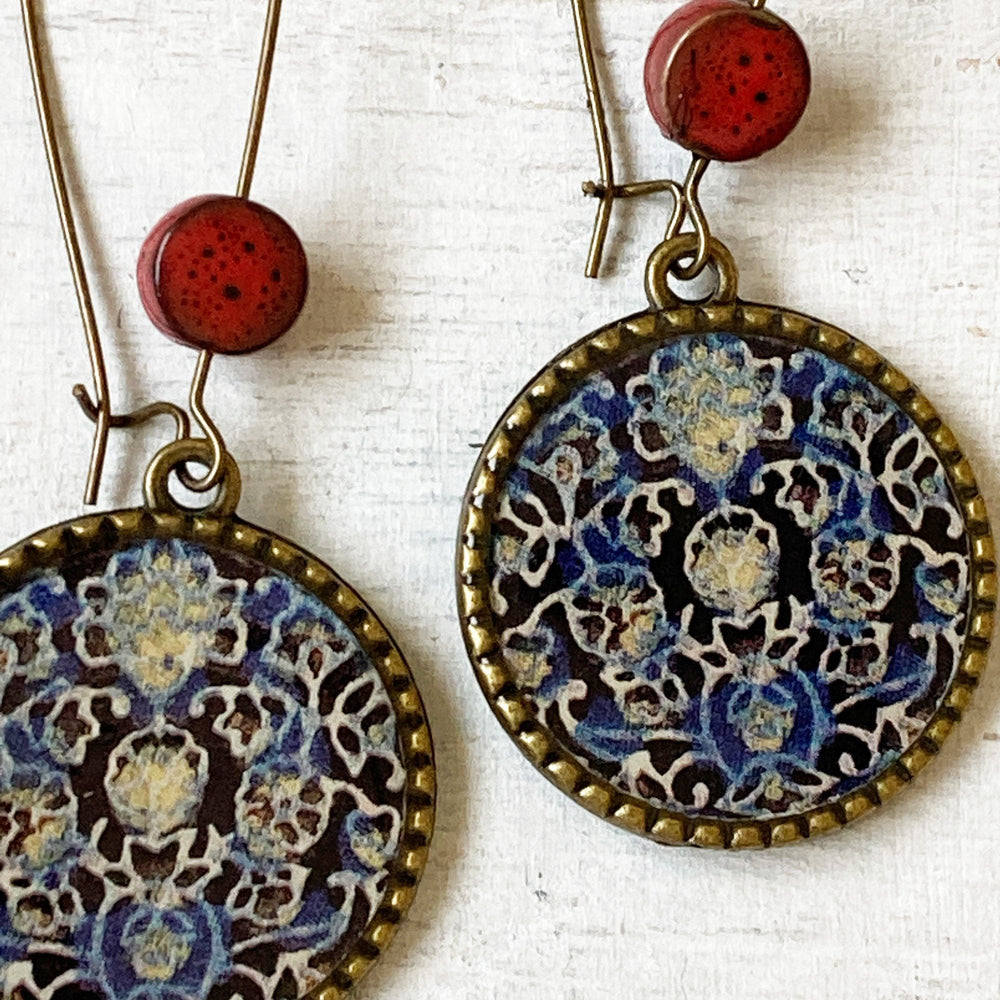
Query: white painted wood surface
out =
(430, 155)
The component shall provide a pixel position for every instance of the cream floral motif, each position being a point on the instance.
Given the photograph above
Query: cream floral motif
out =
(160, 618)
(731, 559)
(511, 553)
(709, 406)
(810, 491)
(852, 412)
(38, 836)
(655, 705)
(859, 657)
(306, 649)
(37, 824)
(280, 811)
(647, 518)
(252, 720)
(528, 545)
(528, 650)
(72, 722)
(760, 649)
(855, 575)
(619, 618)
(568, 466)
(158, 944)
(533, 528)
(530, 664)
(269, 899)
(764, 725)
(156, 780)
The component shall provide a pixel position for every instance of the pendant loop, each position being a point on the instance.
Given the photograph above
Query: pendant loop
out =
(172, 458)
(670, 252)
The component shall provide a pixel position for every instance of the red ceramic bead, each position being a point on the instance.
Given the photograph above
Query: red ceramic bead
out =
(222, 273)
(726, 80)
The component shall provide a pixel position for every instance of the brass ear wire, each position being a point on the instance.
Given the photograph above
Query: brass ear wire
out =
(100, 412)
(605, 189)
(196, 400)
(687, 204)
(257, 108)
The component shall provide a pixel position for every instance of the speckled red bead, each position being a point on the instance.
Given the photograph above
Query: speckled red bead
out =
(726, 80)
(222, 273)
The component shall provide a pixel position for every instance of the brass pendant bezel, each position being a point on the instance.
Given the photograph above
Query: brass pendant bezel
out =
(593, 353)
(50, 547)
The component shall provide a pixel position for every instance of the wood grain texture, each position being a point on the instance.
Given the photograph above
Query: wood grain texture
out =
(430, 156)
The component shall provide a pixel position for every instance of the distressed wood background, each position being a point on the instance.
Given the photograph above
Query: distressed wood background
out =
(430, 155)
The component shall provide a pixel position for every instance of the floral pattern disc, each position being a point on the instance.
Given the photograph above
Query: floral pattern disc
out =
(202, 787)
(724, 572)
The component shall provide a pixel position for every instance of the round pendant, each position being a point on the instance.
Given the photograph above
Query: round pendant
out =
(724, 575)
(216, 778)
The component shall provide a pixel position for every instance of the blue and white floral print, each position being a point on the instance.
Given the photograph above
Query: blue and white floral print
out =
(200, 781)
(731, 576)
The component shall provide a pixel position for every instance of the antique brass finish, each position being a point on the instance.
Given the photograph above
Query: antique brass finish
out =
(100, 412)
(173, 458)
(598, 352)
(119, 529)
(686, 200)
(665, 259)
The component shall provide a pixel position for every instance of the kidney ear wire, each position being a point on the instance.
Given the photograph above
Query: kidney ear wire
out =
(97, 407)
(687, 204)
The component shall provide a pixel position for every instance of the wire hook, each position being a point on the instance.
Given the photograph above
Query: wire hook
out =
(196, 399)
(98, 409)
(686, 200)
(688, 205)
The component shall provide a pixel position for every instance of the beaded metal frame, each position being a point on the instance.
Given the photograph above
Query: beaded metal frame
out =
(50, 547)
(548, 389)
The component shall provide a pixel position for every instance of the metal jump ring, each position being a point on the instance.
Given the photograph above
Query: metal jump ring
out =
(665, 258)
(172, 458)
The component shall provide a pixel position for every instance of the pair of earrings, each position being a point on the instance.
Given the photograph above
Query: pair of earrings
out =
(724, 576)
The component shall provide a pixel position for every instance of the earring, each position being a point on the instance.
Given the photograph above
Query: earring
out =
(216, 775)
(724, 575)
